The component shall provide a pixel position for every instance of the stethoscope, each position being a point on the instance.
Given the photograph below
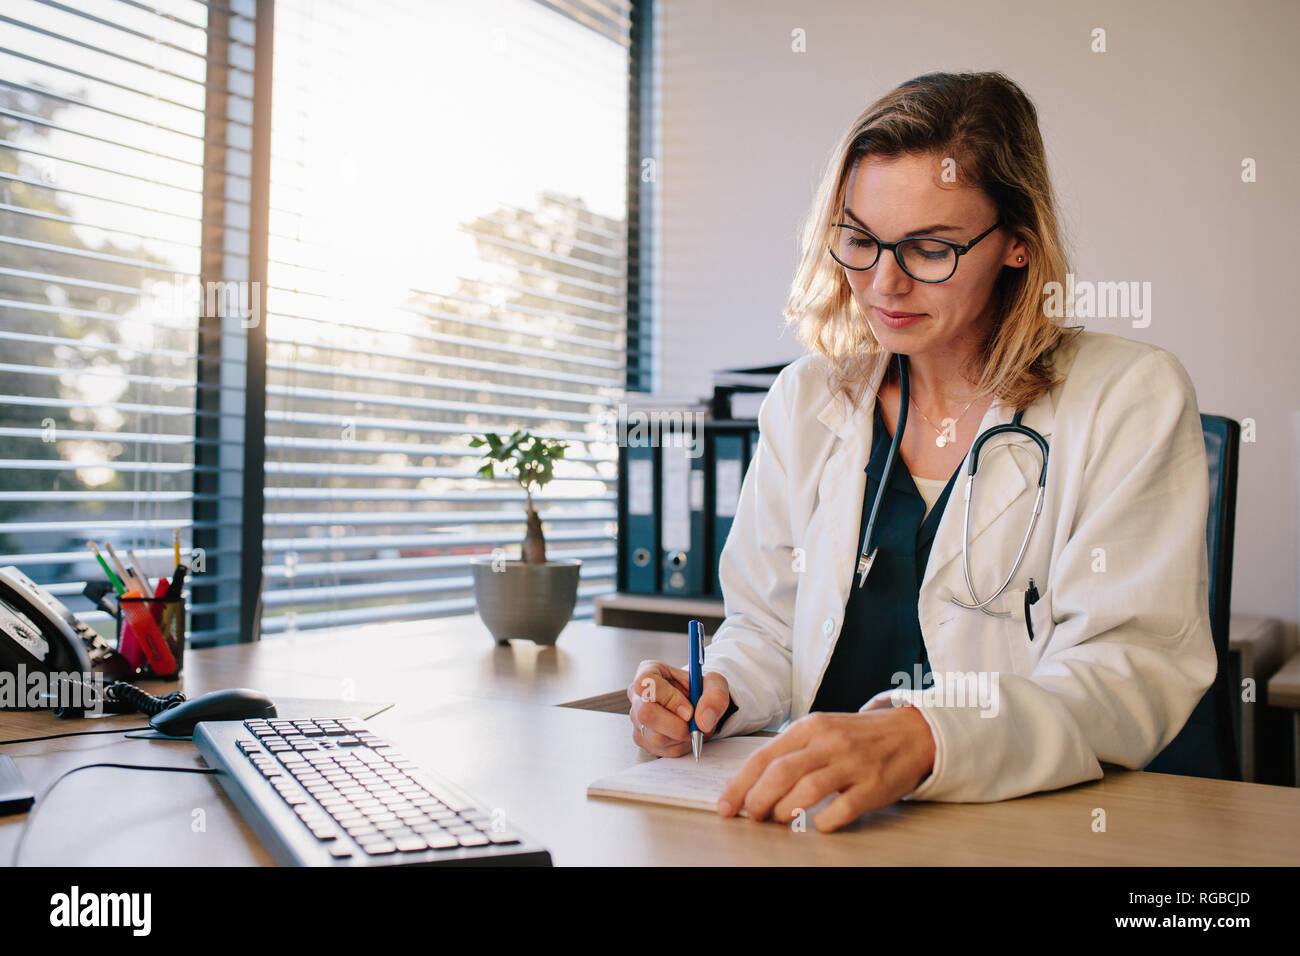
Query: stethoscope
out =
(868, 556)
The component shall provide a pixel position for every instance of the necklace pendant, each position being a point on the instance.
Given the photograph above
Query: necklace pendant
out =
(941, 441)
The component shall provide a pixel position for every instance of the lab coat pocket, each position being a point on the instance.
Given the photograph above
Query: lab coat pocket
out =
(1024, 649)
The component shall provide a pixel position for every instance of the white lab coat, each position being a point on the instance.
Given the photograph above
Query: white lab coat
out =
(1122, 648)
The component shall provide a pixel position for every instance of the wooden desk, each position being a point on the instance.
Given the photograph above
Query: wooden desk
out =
(486, 717)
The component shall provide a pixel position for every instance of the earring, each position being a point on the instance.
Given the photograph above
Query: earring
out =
(1020, 258)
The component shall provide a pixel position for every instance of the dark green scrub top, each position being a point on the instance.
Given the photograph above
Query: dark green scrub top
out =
(881, 634)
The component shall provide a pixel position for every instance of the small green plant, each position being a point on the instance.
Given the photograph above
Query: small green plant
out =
(532, 460)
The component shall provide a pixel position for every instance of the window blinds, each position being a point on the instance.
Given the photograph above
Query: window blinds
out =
(448, 257)
(101, 160)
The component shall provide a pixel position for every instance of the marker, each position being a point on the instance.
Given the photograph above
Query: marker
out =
(178, 582)
(146, 631)
(171, 597)
(176, 544)
(696, 683)
(162, 611)
(108, 572)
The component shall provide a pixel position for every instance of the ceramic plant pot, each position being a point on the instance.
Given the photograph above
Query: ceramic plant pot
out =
(525, 601)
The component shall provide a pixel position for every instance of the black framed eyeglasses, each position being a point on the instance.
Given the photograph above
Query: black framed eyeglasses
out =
(924, 258)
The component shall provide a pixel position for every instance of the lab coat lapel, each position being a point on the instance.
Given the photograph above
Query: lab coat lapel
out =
(1003, 478)
(842, 486)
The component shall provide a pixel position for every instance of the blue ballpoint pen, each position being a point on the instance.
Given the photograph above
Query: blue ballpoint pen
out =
(696, 683)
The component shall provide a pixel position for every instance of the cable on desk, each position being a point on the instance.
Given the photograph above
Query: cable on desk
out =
(75, 733)
(135, 730)
(31, 817)
(121, 692)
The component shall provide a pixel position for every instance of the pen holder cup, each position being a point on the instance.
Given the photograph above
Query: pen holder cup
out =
(151, 635)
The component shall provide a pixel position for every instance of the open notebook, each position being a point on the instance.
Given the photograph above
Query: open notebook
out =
(680, 781)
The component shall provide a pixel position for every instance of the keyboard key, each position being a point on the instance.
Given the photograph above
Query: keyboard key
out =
(503, 837)
(379, 849)
(472, 838)
(441, 841)
(411, 844)
(445, 797)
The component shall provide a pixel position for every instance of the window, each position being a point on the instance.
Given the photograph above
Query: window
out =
(448, 256)
(101, 179)
(422, 211)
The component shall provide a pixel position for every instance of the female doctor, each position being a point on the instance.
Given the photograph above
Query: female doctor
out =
(948, 658)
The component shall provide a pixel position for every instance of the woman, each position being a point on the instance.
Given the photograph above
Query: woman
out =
(1099, 647)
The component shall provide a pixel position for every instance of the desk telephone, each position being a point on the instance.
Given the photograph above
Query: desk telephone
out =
(38, 632)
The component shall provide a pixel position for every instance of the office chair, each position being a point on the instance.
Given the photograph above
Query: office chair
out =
(1207, 744)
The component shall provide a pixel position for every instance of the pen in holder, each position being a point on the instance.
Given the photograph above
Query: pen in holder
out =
(151, 635)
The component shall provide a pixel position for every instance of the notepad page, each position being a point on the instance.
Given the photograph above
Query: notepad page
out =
(680, 781)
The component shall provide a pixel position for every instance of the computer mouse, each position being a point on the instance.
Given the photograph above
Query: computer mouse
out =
(238, 703)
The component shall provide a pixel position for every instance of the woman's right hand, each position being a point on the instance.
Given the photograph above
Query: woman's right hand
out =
(661, 708)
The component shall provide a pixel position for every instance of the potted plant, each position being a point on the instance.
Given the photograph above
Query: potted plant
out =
(528, 597)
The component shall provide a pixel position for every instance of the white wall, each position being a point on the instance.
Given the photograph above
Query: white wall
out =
(1145, 142)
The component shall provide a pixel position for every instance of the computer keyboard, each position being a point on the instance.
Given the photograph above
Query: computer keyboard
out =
(329, 792)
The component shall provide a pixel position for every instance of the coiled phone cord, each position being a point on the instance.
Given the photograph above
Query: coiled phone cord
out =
(121, 692)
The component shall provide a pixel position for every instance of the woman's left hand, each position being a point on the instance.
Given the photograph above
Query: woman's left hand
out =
(872, 759)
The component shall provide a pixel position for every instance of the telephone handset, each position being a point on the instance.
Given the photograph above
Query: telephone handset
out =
(40, 634)
(37, 629)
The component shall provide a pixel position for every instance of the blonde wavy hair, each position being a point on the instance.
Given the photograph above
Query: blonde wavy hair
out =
(987, 124)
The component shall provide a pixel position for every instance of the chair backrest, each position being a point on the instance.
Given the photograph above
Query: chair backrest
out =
(1207, 744)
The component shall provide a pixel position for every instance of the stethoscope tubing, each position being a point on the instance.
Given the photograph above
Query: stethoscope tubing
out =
(867, 556)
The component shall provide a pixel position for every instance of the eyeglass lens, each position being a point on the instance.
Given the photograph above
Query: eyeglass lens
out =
(923, 259)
